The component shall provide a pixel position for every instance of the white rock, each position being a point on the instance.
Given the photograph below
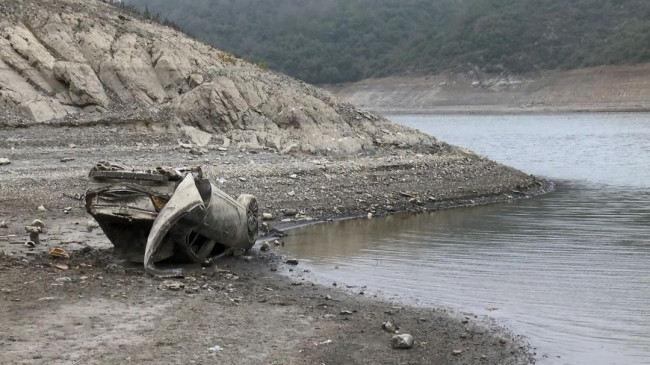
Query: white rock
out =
(403, 341)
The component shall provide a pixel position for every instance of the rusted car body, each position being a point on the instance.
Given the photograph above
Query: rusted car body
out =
(166, 213)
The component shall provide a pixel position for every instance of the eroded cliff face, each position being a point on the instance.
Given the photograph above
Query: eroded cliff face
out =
(84, 60)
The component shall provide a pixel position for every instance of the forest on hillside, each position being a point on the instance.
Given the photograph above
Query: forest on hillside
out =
(334, 41)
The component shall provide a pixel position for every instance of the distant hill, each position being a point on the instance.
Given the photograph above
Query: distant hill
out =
(334, 41)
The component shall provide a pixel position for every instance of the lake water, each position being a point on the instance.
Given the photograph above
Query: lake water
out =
(570, 270)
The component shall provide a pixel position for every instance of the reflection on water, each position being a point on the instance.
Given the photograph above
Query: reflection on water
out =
(553, 266)
(568, 269)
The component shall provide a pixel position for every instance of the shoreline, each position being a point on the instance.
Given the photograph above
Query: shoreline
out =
(242, 304)
(506, 110)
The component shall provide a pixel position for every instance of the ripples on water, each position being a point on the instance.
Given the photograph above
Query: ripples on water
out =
(570, 269)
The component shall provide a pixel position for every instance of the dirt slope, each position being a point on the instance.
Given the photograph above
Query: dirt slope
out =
(613, 88)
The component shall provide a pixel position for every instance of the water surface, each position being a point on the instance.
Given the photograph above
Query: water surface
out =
(569, 270)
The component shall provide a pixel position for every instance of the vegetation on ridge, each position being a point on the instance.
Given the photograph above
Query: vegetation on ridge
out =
(332, 41)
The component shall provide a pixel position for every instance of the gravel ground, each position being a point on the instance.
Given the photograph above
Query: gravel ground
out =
(253, 309)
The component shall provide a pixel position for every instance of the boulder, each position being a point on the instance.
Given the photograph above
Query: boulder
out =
(403, 341)
(84, 86)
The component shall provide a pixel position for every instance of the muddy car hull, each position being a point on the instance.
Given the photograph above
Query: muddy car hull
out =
(154, 215)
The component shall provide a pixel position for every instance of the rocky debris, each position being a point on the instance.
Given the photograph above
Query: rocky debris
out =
(4, 161)
(403, 341)
(388, 327)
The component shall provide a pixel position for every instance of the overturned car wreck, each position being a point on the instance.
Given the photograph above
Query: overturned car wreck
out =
(166, 213)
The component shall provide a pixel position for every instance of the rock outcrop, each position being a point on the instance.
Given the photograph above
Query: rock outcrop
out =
(84, 60)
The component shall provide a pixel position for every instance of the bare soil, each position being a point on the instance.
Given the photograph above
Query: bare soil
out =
(252, 309)
(596, 89)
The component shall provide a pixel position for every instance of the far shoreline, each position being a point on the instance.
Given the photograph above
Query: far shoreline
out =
(468, 110)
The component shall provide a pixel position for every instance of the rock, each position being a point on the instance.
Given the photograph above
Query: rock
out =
(291, 193)
(84, 88)
(291, 262)
(114, 268)
(192, 290)
(42, 208)
(197, 136)
(267, 216)
(403, 341)
(290, 212)
(369, 216)
(195, 80)
(346, 313)
(63, 279)
(238, 252)
(4, 224)
(265, 246)
(388, 327)
(172, 285)
(4, 161)
(38, 223)
(67, 159)
(91, 224)
(457, 352)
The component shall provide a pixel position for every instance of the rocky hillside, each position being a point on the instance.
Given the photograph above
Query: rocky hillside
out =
(83, 61)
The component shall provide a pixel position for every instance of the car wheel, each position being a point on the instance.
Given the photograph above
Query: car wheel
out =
(249, 202)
